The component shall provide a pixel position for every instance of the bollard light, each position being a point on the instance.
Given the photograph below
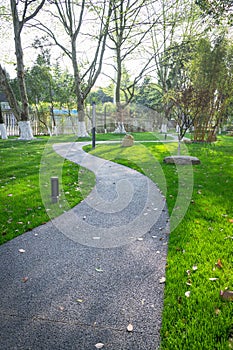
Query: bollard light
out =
(54, 189)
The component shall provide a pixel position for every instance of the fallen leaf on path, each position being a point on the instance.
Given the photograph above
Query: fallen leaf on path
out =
(79, 300)
(21, 250)
(162, 280)
(99, 345)
(24, 279)
(140, 239)
(98, 269)
(130, 327)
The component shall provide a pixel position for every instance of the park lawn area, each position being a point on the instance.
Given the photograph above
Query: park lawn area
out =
(138, 136)
(26, 168)
(200, 247)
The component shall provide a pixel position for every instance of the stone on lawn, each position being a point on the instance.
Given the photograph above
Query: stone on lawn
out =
(127, 141)
(182, 160)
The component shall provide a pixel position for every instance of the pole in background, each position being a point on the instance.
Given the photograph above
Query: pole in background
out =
(105, 117)
(93, 124)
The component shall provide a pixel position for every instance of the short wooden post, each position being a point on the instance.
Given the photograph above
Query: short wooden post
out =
(54, 189)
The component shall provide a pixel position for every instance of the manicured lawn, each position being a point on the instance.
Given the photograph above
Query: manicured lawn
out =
(138, 136)
(200, 247)
(26, 168)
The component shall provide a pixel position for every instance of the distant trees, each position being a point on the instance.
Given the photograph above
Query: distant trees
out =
(217, 9)
(179, 71)
(73, 16)
(211, 72)
(202, 88)
(127, 32)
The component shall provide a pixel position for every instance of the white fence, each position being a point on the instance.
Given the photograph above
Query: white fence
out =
(137, 119)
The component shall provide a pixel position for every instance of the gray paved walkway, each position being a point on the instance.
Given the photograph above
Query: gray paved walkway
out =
(90, 272)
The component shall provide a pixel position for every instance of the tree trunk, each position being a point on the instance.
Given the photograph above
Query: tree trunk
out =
(24, 115)
(3, 131)
(9, 94)
(2, 126)
(25, 130)
(120, 129)
(82, 131)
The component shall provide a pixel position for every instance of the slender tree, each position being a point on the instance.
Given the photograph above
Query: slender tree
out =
(211, 71)
(73, 16)
(18, 25)
(179, 23)
(127, 35)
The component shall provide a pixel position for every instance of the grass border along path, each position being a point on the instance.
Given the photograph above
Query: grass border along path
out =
(22, 208)
(200, 252)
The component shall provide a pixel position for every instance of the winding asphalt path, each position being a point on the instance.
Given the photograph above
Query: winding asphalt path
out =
(82, 278)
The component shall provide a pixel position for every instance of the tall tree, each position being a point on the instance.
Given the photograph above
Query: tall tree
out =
(211, 71)
(179, 22)
(128, 31)
(28, 11)
(73, 16)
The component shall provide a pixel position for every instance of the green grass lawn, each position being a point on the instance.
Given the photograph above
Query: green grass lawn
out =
(200, 246)
(138, 136)
(26, 168)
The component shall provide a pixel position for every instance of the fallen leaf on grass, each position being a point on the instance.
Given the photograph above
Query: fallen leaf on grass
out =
(217, 311)
(99, 345)
(194, 267)
(219, 264)
(130, 327)
(231, 221)
(187, 294)
(227, 295)
(213, 279)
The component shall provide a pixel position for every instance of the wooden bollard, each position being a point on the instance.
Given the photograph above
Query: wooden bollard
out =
(54, 189)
